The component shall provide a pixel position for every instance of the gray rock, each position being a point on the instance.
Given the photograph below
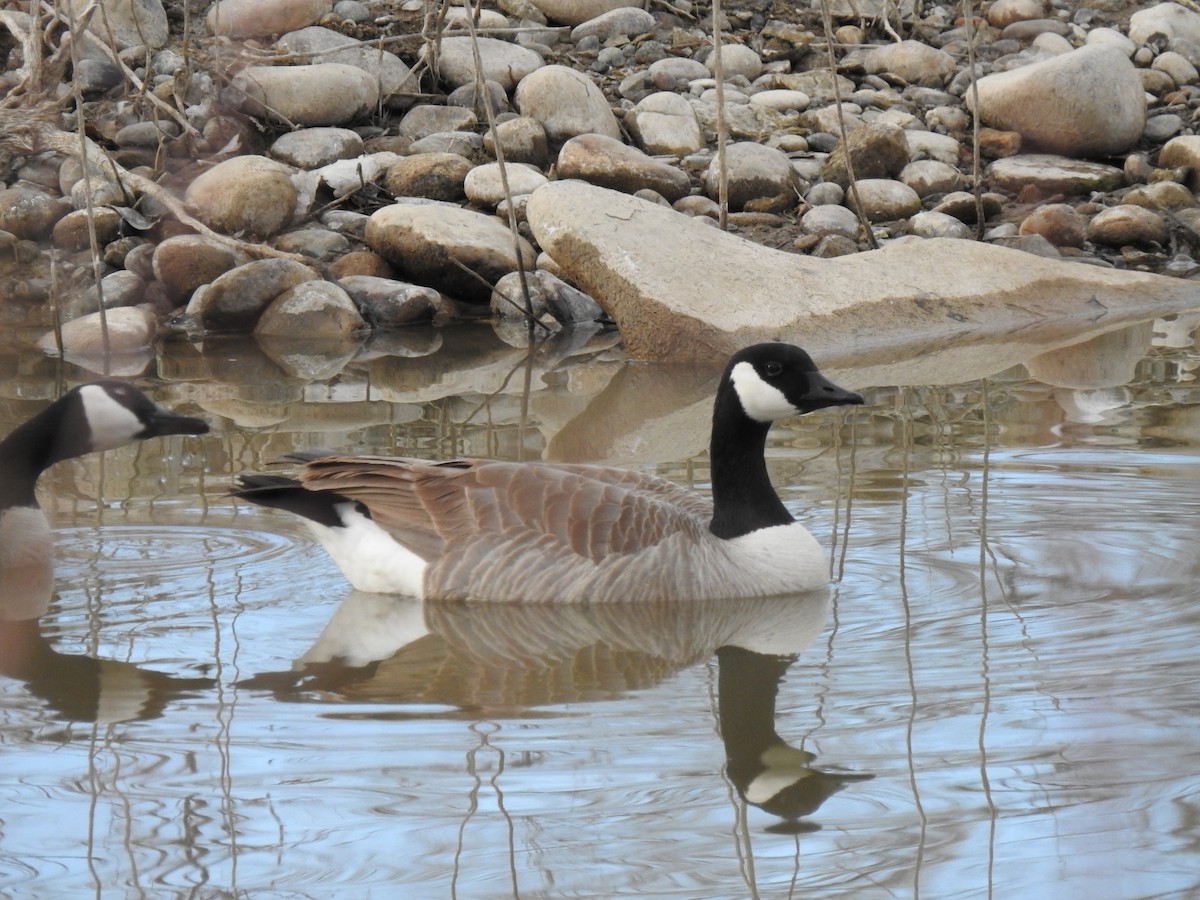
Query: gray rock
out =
(126, 329)
(252, 18)
(1127, 224)
(468, 96)
(397, 84)
(318, 94)
(117, 288)
(426, 119)
(1089, 102)
(664, 124)
(187, 261)
(466, 144)
(930, 145)
(127, 23)
(503, 62)
(1168, 19)
(314, 243)
(484, 186)
(756, 174)
(1058, 223)
(567, 103)
(929, 176)
(568, 304)
(458, 18)
(1052, 174)
(147, 134)
(607, 162)
(312, 310)
(823, 220)
(508, 300)
(883, 200)
(94, 75)
(640, 260)
(522, 140)
(825, 193)
(929, 224)
(73, 232)
(311, 148)
(675, 73)
(626, 20)
(782, 100)
(351, 11)
(235, 300)
(1162, 128)
(1112, 38)
(963, 207)
(250, 195)
(436, 176)
(876, 151)
(575, 12)
(386, 303)
(432, 244)
(913, 61)
(737, 59)
(30, 214)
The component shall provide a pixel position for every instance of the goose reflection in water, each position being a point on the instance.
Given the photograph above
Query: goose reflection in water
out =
(489, 660)
(75, 687)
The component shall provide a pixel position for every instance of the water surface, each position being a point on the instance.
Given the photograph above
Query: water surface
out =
(998, 697)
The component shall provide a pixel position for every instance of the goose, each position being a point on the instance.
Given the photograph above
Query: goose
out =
(539, 532)
(99, 415)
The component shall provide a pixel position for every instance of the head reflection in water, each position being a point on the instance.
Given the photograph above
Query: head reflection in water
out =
(765, 770)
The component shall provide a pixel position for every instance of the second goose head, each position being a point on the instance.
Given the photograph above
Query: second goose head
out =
(100, 415)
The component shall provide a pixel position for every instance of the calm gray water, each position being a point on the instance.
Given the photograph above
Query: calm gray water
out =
(998, 697)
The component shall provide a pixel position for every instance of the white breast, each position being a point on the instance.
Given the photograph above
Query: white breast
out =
(26, 564)
(782, 559)
(25, 537)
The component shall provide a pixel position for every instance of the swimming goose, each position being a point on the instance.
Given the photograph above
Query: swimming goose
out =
(561, 533)
(101, 415)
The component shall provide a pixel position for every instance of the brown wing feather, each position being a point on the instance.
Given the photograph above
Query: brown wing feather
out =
(593, 511)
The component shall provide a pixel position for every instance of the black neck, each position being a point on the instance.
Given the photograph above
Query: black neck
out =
(35, 446)
(743, 498)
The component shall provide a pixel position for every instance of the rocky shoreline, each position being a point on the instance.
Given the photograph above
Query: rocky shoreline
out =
(304, 170)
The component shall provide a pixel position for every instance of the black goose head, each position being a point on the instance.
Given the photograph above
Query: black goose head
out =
(104, 415)
(100, 415)
(774, 381)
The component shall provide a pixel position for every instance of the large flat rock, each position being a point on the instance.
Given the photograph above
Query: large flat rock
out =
(681, 290)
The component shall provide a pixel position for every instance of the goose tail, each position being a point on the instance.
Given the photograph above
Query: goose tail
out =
(280, 492)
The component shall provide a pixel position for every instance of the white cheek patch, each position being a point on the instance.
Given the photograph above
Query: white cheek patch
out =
(111, 424)
(761, 401)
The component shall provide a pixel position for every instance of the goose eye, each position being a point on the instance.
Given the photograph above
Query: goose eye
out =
(772, 368)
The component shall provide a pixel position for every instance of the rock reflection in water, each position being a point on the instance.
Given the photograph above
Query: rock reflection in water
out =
(484, 660)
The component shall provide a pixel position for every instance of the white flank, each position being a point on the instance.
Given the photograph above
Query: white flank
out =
(761, 401)
(369, 557)
(111, 424)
